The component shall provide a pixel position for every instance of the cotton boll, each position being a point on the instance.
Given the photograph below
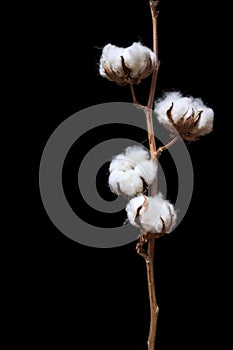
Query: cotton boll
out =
(181, 107)
(110, 66)
(126, 65)
(147, 169)
(123, 178)
(150, 219)
(158, 213)
(187, 115)
(111, 58)
(154, 214)
(132, 208)
(140, 60)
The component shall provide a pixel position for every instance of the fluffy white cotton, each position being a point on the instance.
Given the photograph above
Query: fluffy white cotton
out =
(114, 179)
(163, 104)
(111, 58)
(147, 169)
(205, 124)
(158, 208)
(139, 59)
(155, 213)
(122, 163)
(125, 182)
(182, 106)
(127, 160)
(126, 65)
(132, 171)
(190, 116)
(133, 206)
(137, 154)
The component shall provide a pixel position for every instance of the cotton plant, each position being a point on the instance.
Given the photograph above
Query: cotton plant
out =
(133, 173)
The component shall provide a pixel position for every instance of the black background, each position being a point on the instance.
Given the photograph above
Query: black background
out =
(85, 298)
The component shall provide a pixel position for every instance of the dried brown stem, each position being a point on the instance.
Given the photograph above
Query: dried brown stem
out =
(154, 309)
(148, 111)
(149, 254)
(150, 132)
(133, 94)
(163, 148)
(154, 15)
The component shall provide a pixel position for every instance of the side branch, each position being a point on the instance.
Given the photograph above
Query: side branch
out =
(163, 148)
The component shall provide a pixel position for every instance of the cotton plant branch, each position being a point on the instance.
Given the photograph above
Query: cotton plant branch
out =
(165, 147)
(146, 237)
(149, 256)
(133, 173)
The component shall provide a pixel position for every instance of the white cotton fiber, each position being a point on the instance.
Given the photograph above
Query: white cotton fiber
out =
(114, 179)
(125, 182)
(147, 169)
(137, 58)
(137, 154)
(158, 208)
(205, 124)
(121, 162)
(163, 104)
(130, 183)
(127, 65)
(190, 116)
(181, 107)
(132, 208)
(111, 56)
(155, 213)
(132, 171)
(127, 160)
